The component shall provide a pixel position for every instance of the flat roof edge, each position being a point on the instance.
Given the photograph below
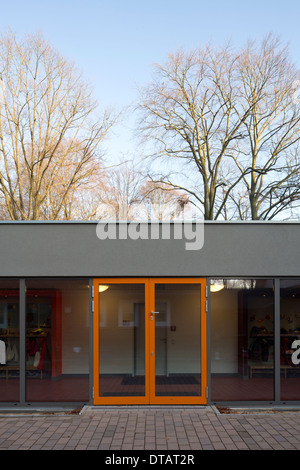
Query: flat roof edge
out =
(94, 222)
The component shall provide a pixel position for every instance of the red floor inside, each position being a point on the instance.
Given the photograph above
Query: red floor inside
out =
(76, 389)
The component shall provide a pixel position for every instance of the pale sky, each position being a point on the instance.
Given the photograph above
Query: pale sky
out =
(115, 42)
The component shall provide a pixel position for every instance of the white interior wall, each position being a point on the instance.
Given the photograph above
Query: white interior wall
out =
(224, 331)
(116, 341)
(181, 332)
(75, 332)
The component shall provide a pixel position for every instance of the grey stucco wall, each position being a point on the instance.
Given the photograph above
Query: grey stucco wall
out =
(38, 249)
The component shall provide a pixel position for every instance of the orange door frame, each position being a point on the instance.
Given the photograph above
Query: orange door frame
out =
(149, 397)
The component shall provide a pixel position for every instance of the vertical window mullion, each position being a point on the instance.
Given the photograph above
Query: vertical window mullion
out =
(277, 338)
(22, 357)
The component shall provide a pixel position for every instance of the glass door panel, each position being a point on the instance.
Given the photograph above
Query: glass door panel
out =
(177, 340)
(149, 341)
(120, 326)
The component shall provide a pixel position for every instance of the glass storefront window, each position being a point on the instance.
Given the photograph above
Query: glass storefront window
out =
(290, 339)
(57, 340)
(57, 348)
(9, 341)
(242, 340)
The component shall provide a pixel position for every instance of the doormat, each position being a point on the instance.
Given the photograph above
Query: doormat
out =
(161, 380)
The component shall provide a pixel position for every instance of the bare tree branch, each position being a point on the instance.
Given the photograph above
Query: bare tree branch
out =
(228, 119)
(50, 130)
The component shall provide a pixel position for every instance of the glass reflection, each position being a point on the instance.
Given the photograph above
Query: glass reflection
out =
(290, 339)
(9, 341)
(177, 340)
(242, 340)
(122, 340)
(57, 340)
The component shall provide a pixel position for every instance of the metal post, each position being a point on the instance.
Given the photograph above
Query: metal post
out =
(22, 326)
(91, 343)
(277, 339)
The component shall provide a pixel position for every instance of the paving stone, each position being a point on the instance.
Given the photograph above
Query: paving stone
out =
(153, 428)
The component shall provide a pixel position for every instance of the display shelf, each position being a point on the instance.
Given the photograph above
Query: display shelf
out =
(43, 326)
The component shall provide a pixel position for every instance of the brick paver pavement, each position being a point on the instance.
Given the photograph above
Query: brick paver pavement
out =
(151, 428)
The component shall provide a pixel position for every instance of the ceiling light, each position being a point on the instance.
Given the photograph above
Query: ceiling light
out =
(103, 288)
(216, 287)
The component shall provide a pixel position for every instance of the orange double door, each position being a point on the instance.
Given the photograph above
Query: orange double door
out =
(149, 341)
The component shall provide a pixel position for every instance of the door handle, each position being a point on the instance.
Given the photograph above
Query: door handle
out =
(153, 313)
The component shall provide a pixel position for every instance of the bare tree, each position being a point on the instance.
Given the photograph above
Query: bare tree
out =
(223, 120)
(121, 194)
(74, 192)
(271, 144)
(162, 202)
(50, 130)
(127, 194)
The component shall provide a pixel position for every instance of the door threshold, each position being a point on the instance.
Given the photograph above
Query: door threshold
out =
(142, 407)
